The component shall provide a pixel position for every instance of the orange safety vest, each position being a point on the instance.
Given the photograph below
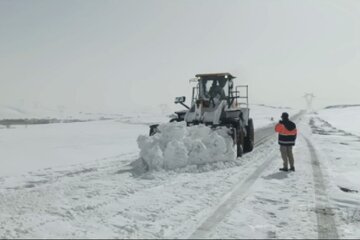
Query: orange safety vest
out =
(286, 137)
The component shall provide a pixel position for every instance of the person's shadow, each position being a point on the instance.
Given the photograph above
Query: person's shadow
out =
(277, 175)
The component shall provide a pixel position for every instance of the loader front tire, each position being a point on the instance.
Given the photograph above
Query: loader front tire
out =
(249, 139)
(239, 142)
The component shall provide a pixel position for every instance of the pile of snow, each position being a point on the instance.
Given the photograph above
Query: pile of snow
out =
(177, 146)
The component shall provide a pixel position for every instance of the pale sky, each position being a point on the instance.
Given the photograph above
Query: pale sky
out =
(106, 55)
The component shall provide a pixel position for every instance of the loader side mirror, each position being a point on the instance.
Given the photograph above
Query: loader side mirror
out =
(180, 99)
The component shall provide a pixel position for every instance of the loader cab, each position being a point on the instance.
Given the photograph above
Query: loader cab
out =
(211, 89)
(211, 84)
(235, 96)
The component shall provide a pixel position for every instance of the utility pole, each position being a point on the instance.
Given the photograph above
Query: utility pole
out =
(309, 98)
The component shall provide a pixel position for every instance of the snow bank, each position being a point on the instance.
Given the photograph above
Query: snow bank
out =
(346, 118)
(177, 146)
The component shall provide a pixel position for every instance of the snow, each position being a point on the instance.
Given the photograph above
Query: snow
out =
(279, 205)
(143, 116)
(12, 112)
(32, 147)
(177, 146)
(339, 129)
(27, 148)
(343, 118)
(337, 135)
(73, 180)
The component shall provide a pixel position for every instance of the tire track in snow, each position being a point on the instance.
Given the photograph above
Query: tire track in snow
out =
(239, 192)
(325, 216)
(231, 199)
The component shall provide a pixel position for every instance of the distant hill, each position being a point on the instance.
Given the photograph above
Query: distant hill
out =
(275, 107)
(342, 106)
(11, 112)
(16, 113)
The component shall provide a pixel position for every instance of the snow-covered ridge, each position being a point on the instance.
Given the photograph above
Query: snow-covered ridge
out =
(10, 116)
(344, 118)
(16, 113)
(269, 106)
(342, 106)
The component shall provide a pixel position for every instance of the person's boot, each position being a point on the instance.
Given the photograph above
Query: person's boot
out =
(283, 169)
(292, 169)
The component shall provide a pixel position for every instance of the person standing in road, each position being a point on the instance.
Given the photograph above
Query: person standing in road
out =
(287, 136)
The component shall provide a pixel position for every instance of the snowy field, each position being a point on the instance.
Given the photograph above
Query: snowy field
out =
(42, 146)
(81, 184)
(31, 147)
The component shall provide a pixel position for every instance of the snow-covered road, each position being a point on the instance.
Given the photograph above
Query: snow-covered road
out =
(246, 198)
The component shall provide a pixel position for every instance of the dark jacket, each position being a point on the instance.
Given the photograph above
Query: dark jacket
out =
(287, 132)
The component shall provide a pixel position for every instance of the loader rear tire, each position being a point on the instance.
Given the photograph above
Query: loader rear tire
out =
(249, 139)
